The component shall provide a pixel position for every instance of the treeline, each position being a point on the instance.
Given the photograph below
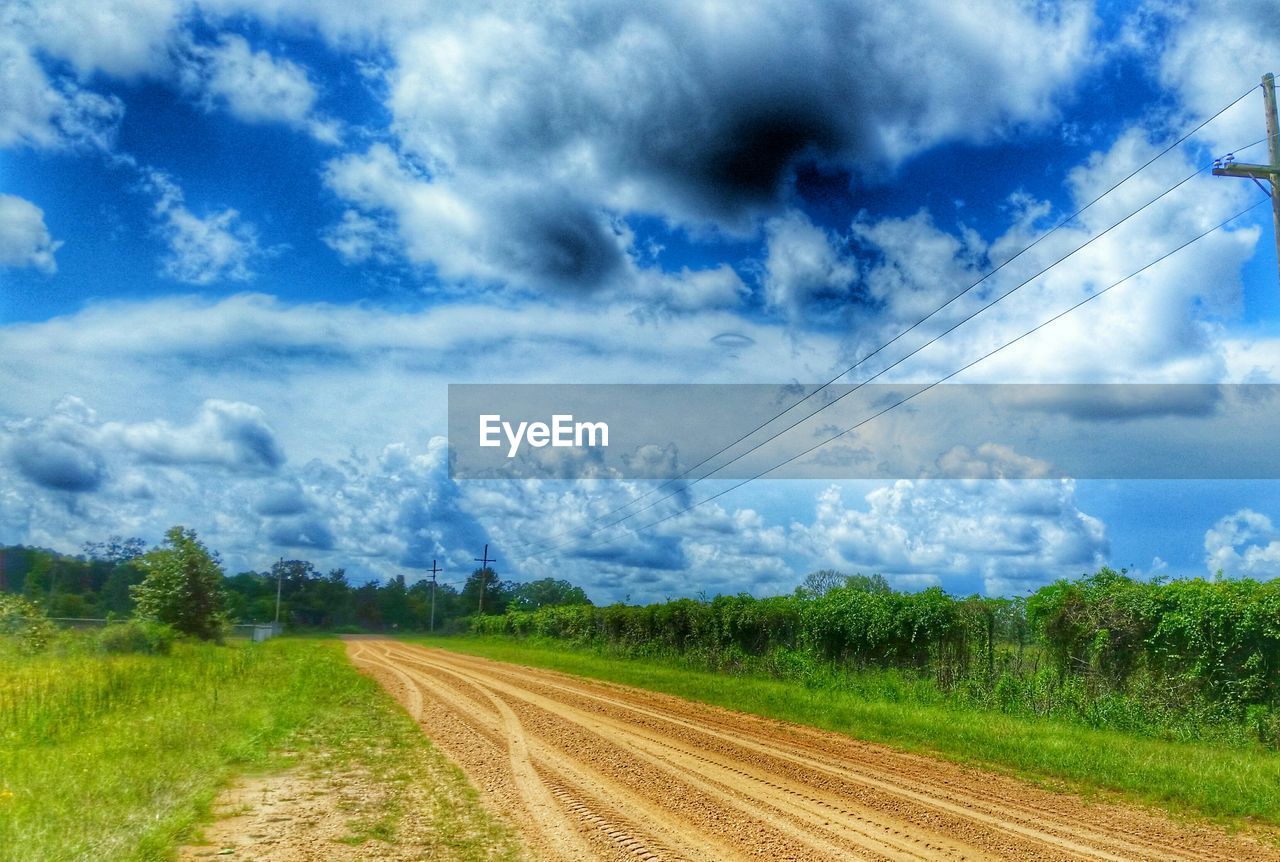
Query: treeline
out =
(97, 585)
(1108, 648)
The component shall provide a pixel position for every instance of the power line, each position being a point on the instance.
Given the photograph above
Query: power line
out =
(1062, 223)
(887, 368)
(942, 380)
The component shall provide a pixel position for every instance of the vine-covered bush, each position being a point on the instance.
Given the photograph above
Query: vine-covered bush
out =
(1105, 648)
(25, 623)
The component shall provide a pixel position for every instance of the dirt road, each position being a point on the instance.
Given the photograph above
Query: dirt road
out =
(591, 771)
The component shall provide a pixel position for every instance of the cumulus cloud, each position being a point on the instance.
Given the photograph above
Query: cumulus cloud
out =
(1012, 534)
(223, 475)
(216, 247)
(49, 114)
(516, 231)
(1210, 51)
(256, 87)
(1169, 319)
(24, 239)
(121, 38)
(227, 434)
(358, 238)
(1244, 545)
(60, 451)
(804, 273)
(696, 115)
(700, 112)
(69, 449)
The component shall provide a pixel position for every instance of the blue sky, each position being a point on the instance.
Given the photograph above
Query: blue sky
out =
(245, 246)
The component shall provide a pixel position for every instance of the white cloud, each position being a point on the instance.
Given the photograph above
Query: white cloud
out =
(1243, 545)
(24, 239)
(358, 238)
(804, 273)
(512, 230)
(1012, 534)
(121, 38)
(44, 114)
(229, 434)
(1165, 325)
(354, 396)
(202, 250)
(256, 87)
(1211, 51)
(521, 131)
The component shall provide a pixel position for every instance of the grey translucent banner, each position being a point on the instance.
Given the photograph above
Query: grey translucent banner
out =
(909, 431)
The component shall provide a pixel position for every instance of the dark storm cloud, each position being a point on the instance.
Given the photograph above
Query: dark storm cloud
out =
(739, 159)
(283, 498)
(434, 520)
(561, 244)
(663, 553)
(1121, 402)
(700, 113)
(58, 464)
(254, 444)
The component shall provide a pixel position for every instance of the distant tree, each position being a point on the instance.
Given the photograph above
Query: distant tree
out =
(823, 581)
(547, 592)
(183, 586)
(867, 583)
(484, 583)
(116, 560)
(115, 550)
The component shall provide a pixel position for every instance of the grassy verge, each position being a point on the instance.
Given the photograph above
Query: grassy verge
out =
(1232, 785)
(119, 757)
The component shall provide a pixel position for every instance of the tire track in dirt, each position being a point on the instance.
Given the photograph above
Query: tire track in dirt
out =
(997, 813)
(788, 809)
(600, 771)
(1052, 818)
(557, 824)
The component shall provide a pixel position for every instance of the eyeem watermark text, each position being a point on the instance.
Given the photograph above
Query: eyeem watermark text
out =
(562, 431)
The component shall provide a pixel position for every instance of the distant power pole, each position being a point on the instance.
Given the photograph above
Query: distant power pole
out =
(279, 582)
(1270, 173)
(484, 562)
(434, 571)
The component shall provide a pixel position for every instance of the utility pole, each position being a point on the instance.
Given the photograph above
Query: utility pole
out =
(1260, 174)
(484, 562)
(434, 571)
(279, 581)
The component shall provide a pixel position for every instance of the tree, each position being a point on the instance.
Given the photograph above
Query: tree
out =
(182, 586)
(547, 592)
(823, 581)
(484, 582)
(115, 550)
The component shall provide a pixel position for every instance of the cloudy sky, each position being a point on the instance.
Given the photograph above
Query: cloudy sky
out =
(245, 245)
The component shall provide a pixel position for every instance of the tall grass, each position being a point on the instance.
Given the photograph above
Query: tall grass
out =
(119, 757)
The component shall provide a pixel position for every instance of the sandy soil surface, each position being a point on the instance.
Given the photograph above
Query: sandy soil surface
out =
(595, 771)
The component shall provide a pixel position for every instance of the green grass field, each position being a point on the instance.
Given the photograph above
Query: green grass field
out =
(119, 757)
(1230, 784)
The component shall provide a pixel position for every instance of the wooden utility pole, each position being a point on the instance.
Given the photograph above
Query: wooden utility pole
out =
(1266, 176)
(279, 584)
(434, 571)
(484, 562)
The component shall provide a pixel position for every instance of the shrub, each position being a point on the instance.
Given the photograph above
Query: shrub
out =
(137, 636)
(26, 623)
